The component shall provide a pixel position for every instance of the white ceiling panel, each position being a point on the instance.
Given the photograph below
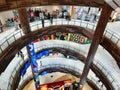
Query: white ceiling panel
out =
(117, 1)
(118, 10)
(112, 4)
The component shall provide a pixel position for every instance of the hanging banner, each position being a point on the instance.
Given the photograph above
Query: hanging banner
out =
(35, 65)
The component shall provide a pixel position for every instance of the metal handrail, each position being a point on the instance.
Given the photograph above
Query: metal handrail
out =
(112, 36)
(38, 25)
(96, 62)
(7, 40)
(6, 43)
(63, 66)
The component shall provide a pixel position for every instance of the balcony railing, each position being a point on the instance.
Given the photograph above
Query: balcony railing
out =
(99, 64)
(94, 79)
(9, 39)
(112, 36)
(37, 25)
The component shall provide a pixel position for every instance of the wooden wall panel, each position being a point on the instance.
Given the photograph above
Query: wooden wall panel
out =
(13, 4)
(36, 1)
(28, 2)
(44, 2)
(2, 2)
(21, 3)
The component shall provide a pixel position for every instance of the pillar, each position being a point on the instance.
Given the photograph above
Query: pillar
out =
(26, 29)
(105, 14)
(24, 20)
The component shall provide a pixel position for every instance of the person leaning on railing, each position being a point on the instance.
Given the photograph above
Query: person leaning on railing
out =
(21, 54)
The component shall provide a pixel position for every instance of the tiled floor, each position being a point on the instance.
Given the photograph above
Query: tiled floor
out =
(102, 55)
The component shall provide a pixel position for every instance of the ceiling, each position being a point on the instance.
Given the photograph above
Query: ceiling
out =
(115, 4)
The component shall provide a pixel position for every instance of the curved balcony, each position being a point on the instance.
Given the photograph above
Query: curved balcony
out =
(12, 37)
(9, 5)
(76, 47)
(63, 66)
(65, 69)
(60, 69)
(37, 26)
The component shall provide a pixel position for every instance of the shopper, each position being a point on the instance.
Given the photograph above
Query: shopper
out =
(48, 16)
(75, 85)
(36, 14)
(20, 53)
(1, 26)
(16, 22)
(42, 18)
(32, 16)
(40, 63)
(51, 19)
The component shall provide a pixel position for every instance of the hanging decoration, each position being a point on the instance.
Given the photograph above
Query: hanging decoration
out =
(35, 65)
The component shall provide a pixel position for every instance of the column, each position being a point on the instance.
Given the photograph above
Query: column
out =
(30, 47)
(24, 20)
(105, 14)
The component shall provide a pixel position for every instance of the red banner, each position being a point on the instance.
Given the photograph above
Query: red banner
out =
(57, 85)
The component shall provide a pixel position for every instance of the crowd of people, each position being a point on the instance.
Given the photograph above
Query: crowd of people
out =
(34, 14)
(14, 22)
(39, 14)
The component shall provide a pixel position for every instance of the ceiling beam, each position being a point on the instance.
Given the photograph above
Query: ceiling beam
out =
(15, 4)
(105, 14)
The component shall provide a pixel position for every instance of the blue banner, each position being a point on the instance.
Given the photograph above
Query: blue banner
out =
(34, 62)
(38, 56)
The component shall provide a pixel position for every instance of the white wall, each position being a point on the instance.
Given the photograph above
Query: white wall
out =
(5, 15)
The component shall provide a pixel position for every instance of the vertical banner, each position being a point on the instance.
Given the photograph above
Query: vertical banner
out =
(34, 63)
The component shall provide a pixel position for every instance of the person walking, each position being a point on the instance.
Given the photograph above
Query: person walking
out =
(32, 16)
(42, 18)
(1, 26)
(48, 16)
(51, 19)
(16, 23)
(41, 63)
